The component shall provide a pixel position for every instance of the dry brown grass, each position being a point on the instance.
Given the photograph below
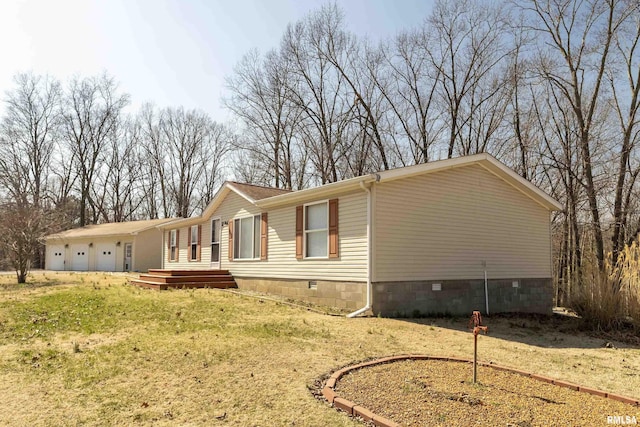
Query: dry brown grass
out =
(206, 357)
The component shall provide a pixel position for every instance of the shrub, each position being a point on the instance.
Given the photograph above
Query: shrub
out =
(610, 298)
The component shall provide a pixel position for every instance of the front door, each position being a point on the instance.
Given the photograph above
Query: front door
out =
(127, 257)
(215, 243)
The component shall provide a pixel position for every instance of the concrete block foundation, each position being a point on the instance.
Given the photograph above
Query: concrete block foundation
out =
(415, 298)
(461, 297)
(343, 295)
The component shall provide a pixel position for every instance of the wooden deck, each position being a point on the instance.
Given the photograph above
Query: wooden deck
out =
(185, 279)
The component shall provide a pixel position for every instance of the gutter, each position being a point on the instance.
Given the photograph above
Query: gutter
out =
(369, 248)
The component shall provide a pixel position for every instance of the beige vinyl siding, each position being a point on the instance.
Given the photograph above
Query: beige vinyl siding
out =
(282, 262)
(146, 250)
(184, 249)
(444, 225)
(233, 206)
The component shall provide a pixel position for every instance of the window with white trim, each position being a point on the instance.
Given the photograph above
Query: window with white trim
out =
(193, 245)
(246, 238)
(172, 245)
(215, 240)
(316, 230)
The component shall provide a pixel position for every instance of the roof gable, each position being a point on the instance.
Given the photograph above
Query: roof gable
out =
(249, 192)
(255, 192)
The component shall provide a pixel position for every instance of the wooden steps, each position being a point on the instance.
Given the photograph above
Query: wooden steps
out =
(185, 279)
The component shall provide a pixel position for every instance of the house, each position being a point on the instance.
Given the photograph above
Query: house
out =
(450, 236)
(121, 246)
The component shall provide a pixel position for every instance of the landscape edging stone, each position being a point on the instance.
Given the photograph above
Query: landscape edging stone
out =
(328, 390)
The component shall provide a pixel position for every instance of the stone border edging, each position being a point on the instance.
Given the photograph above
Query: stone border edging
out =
(328, 391)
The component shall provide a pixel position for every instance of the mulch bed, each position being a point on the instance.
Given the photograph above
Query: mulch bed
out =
(441, 393)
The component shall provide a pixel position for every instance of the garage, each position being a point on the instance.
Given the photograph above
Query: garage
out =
(56, 258)
(114, 246)
(80, 257)
(106, 257)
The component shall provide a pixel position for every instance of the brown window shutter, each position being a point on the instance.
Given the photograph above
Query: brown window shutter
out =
(264, 232)
(299, 231)
(333, 228)
(231, 240)
(169, 245)
(177, 245)
(199, 250)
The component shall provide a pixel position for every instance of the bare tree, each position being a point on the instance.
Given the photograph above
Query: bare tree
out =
(328, 37)
(217, 142)
(261, 98)
(21, 229)
(91, 111)
(408, 83)
(27, 133)
(577, 37)
(154, 185)
(466, 45)
(319, 91)
(185, 152)
(117, 194)
(626, 103)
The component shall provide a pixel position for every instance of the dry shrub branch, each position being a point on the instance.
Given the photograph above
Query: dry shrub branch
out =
(609, 299)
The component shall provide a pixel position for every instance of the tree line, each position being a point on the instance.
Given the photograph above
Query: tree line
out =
(549, 87)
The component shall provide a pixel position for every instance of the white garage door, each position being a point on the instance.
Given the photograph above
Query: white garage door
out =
(56, 257)
(106, 257)
(79, 257)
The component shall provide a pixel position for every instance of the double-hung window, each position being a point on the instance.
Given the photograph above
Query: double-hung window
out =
(246, 238)
(193, 243)
(173, 245)
(316, 230)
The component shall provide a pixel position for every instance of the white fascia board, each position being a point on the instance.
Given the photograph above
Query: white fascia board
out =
(423, 168)
(240, 193)
(181, 222)
(215, 202)
(135, 233)
(208, 211)
(321, 192)
(521, 184)
(489, 163)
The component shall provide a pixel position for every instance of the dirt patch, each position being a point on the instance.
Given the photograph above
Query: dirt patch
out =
(441, 393)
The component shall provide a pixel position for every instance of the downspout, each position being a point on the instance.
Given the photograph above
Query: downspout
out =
(486, 288)
(369, 252)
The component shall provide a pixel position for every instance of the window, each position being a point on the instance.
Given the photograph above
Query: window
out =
(173, 245)
(215, 240)
(194, 243)
(316, 230)
(246, 240)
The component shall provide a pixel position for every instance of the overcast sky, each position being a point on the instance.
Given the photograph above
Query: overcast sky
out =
(170, 52)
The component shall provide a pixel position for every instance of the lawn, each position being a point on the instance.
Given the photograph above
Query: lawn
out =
(89, 349)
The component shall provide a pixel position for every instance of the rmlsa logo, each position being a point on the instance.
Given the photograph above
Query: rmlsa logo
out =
(622, 420)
